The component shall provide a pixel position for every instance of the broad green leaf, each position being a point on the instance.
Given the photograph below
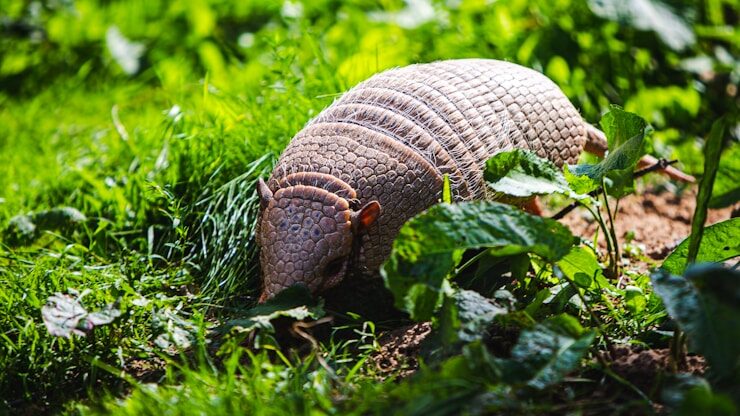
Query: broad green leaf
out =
(23, 229)
(430, 245)
(626, 133)
(422, 300)
(634, 299)
(295, 302)
(677, 385)
(702, 401)
(620, 127)
(467, 315)
(581, 184)
(541, 357)
(688, 395)
(726, 190)
(708, 311)
(719, 243)
(581, 262)
(59, 217)
(712, 151)
(520, 174)
(550, 350)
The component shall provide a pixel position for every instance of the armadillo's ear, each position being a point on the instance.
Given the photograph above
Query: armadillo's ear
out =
(366, 216)
(264, 193)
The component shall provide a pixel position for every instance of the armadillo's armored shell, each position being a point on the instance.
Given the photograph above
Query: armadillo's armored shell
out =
(393, 137)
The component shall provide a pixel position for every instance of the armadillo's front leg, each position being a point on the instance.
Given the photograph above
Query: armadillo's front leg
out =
(533, 206)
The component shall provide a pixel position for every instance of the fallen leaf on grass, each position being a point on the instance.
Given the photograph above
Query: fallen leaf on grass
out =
(64, 316)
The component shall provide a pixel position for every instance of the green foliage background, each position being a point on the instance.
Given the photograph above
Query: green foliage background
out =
(140, 114)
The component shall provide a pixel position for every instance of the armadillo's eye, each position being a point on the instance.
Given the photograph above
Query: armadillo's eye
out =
(334, 267)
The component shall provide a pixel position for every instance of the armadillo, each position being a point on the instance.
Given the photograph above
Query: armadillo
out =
(378, 155)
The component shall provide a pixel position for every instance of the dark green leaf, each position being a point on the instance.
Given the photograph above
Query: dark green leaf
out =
(57, 218)
(626, 133)
(550, 350)
(710, 317)
(701, 401)
(560, 296)
(689, 395)
(295, 302)
(534, 306)
(712, 151)
(521, 174)
(23, 229)
(620, 127)
(20, 230)
(582, 280)
(468, 316)
(726, 189)
(719, 243)
(677, 385)
(430, 245)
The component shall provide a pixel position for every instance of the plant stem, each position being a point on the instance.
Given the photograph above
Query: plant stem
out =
(612, 234)
(470, 262)
(607, 238)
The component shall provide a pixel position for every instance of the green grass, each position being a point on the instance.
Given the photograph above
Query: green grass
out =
(162, 164)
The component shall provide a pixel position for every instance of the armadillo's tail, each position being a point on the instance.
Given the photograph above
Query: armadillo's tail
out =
(596, 144)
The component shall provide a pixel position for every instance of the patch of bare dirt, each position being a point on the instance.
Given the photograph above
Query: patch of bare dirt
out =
(643, 366)
(399, 349)
(659, 220)
(147, 371)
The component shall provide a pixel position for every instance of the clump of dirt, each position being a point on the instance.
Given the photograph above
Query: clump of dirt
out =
(657, 220)
(643, 367)
(399, 349)
(146, 371)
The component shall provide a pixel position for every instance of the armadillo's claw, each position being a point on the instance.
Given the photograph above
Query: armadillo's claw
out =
(263, 297)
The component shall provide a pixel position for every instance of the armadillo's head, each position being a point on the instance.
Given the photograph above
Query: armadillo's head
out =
(306, 236)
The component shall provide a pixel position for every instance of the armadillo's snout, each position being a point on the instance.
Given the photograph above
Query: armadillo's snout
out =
(305, 237)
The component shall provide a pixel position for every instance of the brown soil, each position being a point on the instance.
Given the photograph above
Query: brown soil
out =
(399, 349)
(659, 220)
(642, 367)
(146, 371)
